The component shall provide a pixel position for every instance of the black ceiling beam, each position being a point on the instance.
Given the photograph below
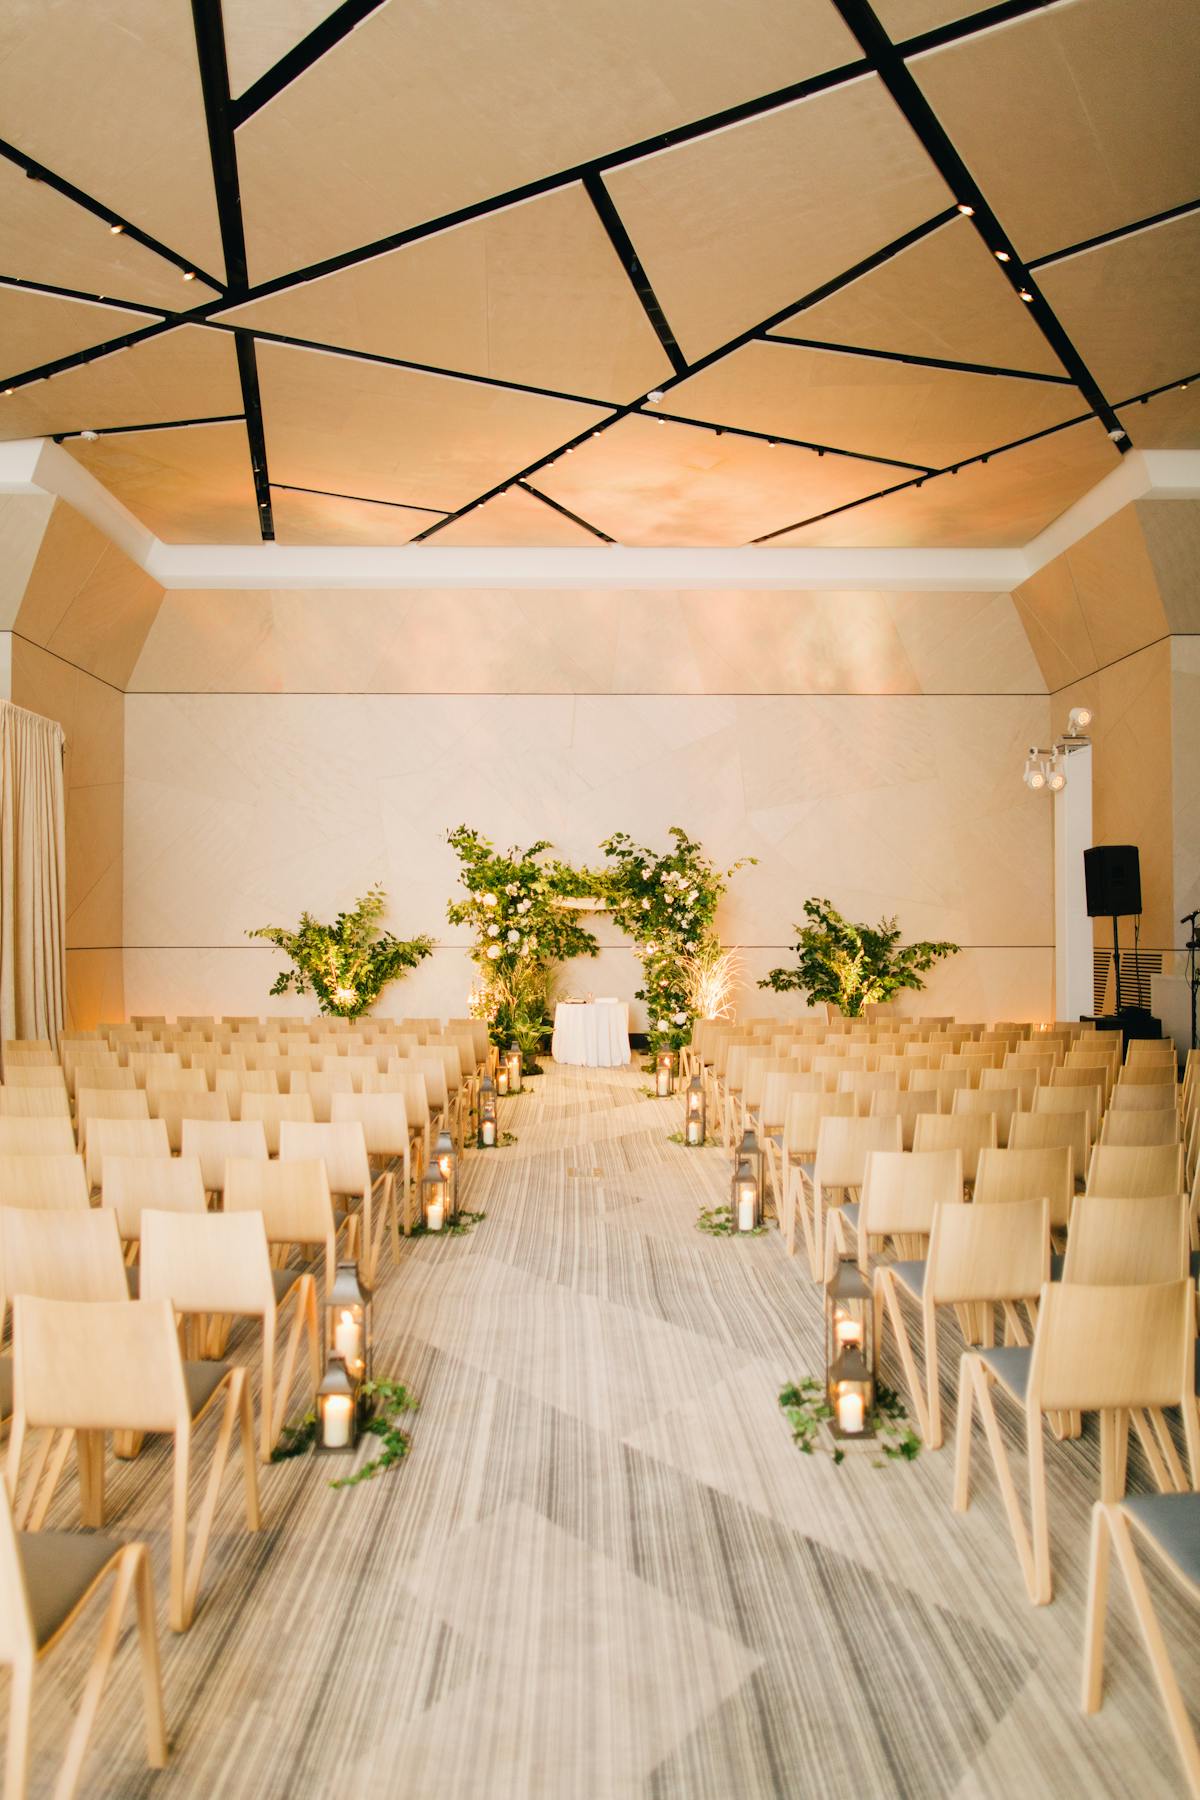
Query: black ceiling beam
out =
(78, 357)
(154, 425)
(251, 399)
(889, 64)
(291, 487)
(214, 85)
(920, 362)
(983, 20)
(556, 506)
(1112, 237)
(340, 23)
(627, 256)
(405, 362)
(37, 171)
(65, 293)
(778, 437)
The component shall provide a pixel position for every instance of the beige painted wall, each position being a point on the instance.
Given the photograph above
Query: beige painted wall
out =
(285, 750)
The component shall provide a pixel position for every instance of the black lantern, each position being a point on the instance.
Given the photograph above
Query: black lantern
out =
(849, 1352)
(348, 1325)
(664, 1074)
(435, 1197)
(751, 1151)
(446, 1158)
(695, 1120)
(487, 1137)
(745, 1200)
(337, 1409)
(513, 1059)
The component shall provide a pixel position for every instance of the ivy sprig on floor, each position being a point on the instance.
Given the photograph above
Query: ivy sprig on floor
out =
(392, 1400)
(806, 1409)
(463, 1223)
(718, 1222)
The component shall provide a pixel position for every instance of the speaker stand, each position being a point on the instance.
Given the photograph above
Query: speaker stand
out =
(1116, 968)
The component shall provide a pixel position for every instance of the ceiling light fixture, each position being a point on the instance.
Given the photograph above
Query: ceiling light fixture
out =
(1003, 256)
(1078, 719)
(116, 230)
(1117, 433)
(189, 274)
(1056, 779)
(968, 212)
(89, 437)
(1026, 295)
(1035, 771)
(654, 395)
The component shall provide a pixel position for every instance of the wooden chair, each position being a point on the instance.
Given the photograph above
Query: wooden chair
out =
(942, 1082)
(34, 1075)
(321, 1088)
(1003, 1103)
(343, 1150)
(1072, 1100)
(234, 1083)
(115, 1366)
(899, 1193)
(1029, 1174)
(46, 1580)
(122, 1137)
(131, 1184)
(1116, 1241)
(34, 1103)
(174, 1107)
(1113, 1350)
(214, 1141)
(907, 1106)
(865, 1084)
(384, 1121)
(57, 1181)
(217, 1265)
(1146, 1170)
(1146, 1074)
(843, 1146)
(1169, 1526)
(979, 1257)
(33, 1052)
(1135, 1130)
(1144, 1097)
(36, 1137)
(158, 1065)
(272, 1109)
(968, 1132)
(410, 1083)
(107, 1103)
(1046, 1131)
(798, 1154)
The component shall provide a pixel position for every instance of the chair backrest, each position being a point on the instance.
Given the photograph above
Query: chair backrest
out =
(272, 1109)
(1132, 1129)
(865, 1083)
(57, 1181)
(36, 1137)
(1004, 1103)
(900, 1192)
(778, 1089)
(107, 1103)
(122, 1137)
(1042, 1131)
(69, 1255)
(401, 1079)
(34, 1103)
(1136, 1096)
(1146, 1075)
(383, 1117)
(433, 1072)
(1112, 1347)
(843, 1146)
(158, 1063)
(321, 1087)
(291, 1198)
(1146, 1170)
(174, 1080)
(968, 1132)
(1152, 1050)
(341, 1147)
(1025, 1082)
(34, 1075)
(106, 1365)
(1120, 1242)
(130, 1184)
(214, 1141)
(1008, 1176)
(802, 1121)
(173, 1108)
(907, 1107)
(207, 1262)
(942, 1082)
(988, 1252)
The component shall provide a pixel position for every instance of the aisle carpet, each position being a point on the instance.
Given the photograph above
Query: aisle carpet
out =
(605, 1570)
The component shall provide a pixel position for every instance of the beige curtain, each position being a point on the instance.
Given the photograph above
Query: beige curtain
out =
(33, 875)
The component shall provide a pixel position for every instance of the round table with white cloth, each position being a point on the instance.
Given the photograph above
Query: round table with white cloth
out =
(593, 1034)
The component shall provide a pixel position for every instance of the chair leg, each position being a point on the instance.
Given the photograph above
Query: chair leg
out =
(152, 1697)
(177, 1606)
(20, 1721)
(1040, 1591)
(1097, 1611)
(1156, 1650)
(892, 1304)
(816, 1237)
(106, 1644)
(933, 1379)
(271, 1407)
(89, 1450)
(40, 1505)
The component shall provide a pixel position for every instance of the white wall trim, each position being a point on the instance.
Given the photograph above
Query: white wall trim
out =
(31, 465)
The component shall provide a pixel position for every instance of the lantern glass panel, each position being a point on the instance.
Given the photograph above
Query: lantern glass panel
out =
(514, 1068)
(348, 1322)
(695, 1123)
(751, 1151)
(435, 1197)
(447, 1161)
(337, 1410)
(849, 1351)
(664, 1074)
(502, 1082)
(745, 1198)
(487, 1114)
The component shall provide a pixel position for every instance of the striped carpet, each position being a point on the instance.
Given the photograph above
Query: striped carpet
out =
(605, 1570)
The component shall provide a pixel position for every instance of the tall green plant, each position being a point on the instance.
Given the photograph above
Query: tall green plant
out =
(346, 964)
(851, 965)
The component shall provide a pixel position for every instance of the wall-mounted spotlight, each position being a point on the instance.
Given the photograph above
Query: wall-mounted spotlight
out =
(1056, 778)
(1035, 770)
(1078, 719)
(1045, 771)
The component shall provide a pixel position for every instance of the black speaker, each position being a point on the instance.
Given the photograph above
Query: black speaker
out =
(1114, 880)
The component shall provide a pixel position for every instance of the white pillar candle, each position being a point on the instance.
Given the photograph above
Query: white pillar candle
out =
(346, 1339)
(502, 1079)
(693, 1131)
(434, 1215)
(746, 1213)
(850, 1412)
(849, 1331)
(487, 1132)
(338, 1410)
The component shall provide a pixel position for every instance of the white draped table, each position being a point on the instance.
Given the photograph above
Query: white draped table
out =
(593, 1034)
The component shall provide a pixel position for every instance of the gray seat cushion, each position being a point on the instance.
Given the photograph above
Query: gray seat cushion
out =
(6, 1387)
(202, 1380)
(1194, 1265)
(1056, 1266)
(60, 1567)
(133, 1279)
(284, 1280)
(1009, 1363)
(1173, 1521)
(910, 1275)
(850, 1212)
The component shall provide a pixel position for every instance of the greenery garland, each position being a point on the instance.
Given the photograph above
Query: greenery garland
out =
(348, 963)
(392, 1400)
(806, 1409)
(852, 966)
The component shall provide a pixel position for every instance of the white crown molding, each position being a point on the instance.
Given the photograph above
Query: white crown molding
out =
(36, 465)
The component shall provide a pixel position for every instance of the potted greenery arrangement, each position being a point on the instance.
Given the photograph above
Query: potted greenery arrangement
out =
(346, 964)
(851, 966)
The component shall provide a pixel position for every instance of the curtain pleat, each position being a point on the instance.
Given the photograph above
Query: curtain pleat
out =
(33, 875)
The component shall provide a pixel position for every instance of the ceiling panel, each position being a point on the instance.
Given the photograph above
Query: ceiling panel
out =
(353, 427)
(190, 486)
(302, 518)
(45, 237)
(1003, 502)
(187, 373)
(1076, 119)
(534, 293)
(259, 32)
(109, 97)
(944, 296)
(1169, 421)
(736, 226)
(1132, 307)
(644, 482)
(515, 520)
(903, 19)
(425, 109)
(901, 410)
(40, 328)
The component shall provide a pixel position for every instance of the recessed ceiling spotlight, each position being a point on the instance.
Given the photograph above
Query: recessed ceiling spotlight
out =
(968, 212)
(770, 443)
(1182, 385)
(8, 390)
(89, 437)
(1003, 256)
(1117, 433)
(189, 274)
(116, 230)
(1026, 295)
(654, 394)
